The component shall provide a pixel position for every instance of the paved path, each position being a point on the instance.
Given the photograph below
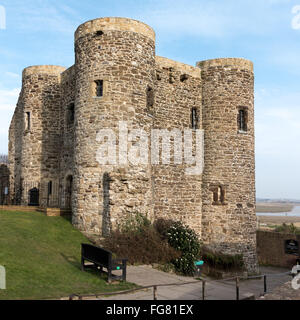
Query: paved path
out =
(220, 290)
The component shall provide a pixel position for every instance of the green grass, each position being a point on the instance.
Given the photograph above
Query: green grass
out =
(42, 258)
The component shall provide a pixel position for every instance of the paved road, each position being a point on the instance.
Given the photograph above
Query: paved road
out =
(220, 290)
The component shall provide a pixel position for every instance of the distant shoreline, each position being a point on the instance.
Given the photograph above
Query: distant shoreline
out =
(274, 207)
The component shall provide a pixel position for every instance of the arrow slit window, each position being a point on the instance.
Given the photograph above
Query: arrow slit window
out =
(242, 119)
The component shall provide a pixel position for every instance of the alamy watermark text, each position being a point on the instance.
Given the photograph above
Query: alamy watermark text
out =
(137, 147)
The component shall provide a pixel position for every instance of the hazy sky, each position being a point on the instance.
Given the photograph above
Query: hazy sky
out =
(264, 31)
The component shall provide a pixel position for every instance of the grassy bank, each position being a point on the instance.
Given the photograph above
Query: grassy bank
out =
(42, 258)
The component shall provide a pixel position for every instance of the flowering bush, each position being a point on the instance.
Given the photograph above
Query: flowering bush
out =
(184, 239)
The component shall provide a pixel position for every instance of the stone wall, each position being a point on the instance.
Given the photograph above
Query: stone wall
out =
(271, 249)
(176, 195)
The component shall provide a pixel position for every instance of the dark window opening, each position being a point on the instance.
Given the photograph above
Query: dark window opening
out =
(172, 75)
(49, 187)
(71, 114)
(194, 118)
(99, 88)
(158, 75)
(28, 121)
(150, 97)
(184, 77)
(99, 33)
(242, 120)
(218, 195)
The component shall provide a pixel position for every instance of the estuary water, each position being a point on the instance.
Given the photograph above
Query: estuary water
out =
(294, 213)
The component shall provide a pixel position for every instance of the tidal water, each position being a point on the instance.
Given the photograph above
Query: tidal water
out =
(294, 213)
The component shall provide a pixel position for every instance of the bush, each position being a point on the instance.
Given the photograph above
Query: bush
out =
(184, 239)
(165, 242)
(162, 226)
(135, 223)
(223, 261)
(287, 228)
(138, 240)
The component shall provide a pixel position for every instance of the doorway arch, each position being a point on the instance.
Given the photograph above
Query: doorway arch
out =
(34, 196)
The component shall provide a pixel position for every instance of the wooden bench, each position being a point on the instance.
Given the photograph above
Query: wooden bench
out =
(101, 258)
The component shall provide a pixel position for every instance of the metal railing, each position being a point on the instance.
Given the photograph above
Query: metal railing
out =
(237, 282)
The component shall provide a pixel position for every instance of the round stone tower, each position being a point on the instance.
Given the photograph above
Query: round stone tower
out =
(36, 122)
(228, 193)
(115, 67)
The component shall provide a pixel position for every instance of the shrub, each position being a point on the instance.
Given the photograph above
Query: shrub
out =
(165, 242)
(223, 261)
(135, 223)
(287, 228)
(162, 226)
(184, 239)
(137, 240)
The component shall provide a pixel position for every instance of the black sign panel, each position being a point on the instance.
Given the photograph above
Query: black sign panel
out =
(292, 247)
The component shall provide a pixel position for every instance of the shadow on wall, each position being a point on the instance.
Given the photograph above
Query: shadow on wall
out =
(18, 130)
(106, 222)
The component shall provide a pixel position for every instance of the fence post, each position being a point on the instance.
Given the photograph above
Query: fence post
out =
(154, 292)
(265, 284)
(203, 289)
(237, 288)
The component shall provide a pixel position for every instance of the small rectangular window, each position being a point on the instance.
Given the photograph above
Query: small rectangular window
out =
(242, 120)
(99, 88)
(49, 187)
(218, 193)
(70, 114)
(28, 121)
(150, 97)
(194, 118)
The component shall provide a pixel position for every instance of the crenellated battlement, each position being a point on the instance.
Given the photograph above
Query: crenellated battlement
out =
(163, 62)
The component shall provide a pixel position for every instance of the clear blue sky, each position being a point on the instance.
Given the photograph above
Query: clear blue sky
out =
(41, 32)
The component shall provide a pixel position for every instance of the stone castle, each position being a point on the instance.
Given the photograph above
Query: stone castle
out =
(117, 77)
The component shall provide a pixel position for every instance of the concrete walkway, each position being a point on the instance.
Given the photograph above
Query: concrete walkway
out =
(215, 290)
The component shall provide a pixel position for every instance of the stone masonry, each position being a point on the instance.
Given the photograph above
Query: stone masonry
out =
(117, 77)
